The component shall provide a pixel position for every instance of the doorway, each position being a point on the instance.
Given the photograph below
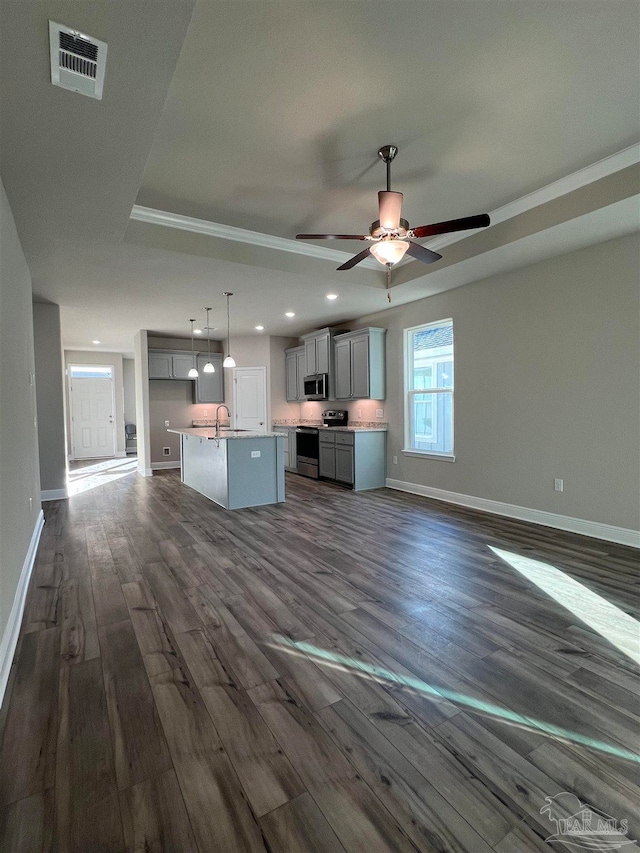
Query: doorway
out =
(250, 398)
(92, 407)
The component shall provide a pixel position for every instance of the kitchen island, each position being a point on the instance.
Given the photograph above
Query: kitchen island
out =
(235, 469)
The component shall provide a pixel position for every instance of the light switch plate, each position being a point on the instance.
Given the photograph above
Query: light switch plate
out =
(379, 413)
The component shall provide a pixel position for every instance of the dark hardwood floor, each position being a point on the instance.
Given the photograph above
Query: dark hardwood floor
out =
(344, 672)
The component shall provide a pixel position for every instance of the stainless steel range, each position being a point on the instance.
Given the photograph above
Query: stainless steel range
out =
(307, 450)
(335, 417)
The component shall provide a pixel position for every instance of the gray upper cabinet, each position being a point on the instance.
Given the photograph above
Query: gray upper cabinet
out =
(295, 361)
(209, 387)
(160, 365)
(170, 365)
(316, 351)
(360, 365)
(182, 364)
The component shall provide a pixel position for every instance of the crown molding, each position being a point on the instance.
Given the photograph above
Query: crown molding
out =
(241, 235)
(583, 177)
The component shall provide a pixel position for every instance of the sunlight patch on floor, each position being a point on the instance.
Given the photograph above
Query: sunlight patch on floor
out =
(99, 474)
(620, 629)
(359, 668)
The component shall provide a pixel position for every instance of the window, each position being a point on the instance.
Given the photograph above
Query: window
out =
(429, 389)
(90, 371)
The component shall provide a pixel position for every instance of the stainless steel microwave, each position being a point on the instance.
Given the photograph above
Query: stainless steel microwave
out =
(316, 387)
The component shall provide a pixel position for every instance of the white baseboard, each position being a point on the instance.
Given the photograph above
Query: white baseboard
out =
(54, 494)
(160, 466)
(144, 472)
(12, 628)
(121, 454)
(621, 535)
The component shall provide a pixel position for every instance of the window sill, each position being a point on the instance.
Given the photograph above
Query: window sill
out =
(427, 454)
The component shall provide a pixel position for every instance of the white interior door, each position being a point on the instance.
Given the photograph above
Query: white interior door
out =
(91, 395)
(250, 398)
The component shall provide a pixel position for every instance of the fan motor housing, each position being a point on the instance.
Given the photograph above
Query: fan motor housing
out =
(377, 230)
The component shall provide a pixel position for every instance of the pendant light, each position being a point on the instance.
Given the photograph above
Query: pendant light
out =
(209, 366)
(193, 373)
(229, 360)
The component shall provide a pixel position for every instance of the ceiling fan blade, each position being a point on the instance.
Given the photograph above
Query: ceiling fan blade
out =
(420, 253)
(464, 224)
(331, 237)
(355, 259)
(390, 206)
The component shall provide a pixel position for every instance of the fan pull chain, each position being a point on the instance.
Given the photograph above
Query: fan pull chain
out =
(388, 282)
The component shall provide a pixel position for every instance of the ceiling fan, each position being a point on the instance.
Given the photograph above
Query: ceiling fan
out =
(390, 235)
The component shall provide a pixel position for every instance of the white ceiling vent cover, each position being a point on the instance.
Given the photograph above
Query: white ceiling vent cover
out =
(77, 61)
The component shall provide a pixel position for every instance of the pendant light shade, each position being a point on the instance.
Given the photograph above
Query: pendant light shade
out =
(193, 373)
(229, 360)
(389, 251)
(209, 366)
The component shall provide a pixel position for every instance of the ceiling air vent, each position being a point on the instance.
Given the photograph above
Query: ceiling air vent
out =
(77, 61)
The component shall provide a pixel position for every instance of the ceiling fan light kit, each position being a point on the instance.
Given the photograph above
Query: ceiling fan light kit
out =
(390, 235)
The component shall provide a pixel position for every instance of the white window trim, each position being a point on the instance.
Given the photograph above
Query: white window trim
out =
(408, 361)
(430, 454)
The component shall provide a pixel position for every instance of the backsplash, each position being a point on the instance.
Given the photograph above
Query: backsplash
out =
(318, 422)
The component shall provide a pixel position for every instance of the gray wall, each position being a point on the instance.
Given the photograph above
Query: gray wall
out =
(49, 361)
(19, 469)
(546, 376)
(129, 390)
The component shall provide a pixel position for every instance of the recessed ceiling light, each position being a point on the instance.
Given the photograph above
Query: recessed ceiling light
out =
(332, 296)
(259, 328)
(289, 314)
(197, 331)
(96, 342)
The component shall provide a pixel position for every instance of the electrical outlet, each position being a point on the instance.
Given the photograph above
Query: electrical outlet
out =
(205, 413)
(395, 460)
(166, 451)
(359, 414)
(166, 423)
(379, 413)
(558, 485)
(255, 454)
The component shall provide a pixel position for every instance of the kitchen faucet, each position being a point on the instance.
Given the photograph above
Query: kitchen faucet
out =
(221, 406)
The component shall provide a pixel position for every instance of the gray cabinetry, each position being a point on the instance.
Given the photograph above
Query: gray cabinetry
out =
(170, 365)
(295, 373)
(356, 459)
(160, 365)
(327, 456)
(290, 450)
(360, 365)
(345, 457)
(209, 387)
(316, 352)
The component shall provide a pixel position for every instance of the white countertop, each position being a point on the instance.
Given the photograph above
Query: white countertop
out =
(225, 434)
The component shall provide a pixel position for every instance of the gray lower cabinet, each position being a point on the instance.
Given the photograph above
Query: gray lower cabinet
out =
(289, 446)
(209, 387)
(356, 459)
(327, 456)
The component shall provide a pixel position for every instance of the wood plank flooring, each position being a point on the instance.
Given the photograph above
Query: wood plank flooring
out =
(344, 672)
